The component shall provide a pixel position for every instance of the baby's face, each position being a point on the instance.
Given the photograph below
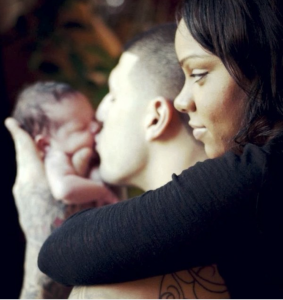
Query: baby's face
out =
(78, 125)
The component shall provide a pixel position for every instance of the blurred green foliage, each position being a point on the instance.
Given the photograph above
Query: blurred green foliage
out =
(66, 50)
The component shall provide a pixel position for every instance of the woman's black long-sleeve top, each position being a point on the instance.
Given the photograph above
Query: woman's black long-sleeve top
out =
(226, 211)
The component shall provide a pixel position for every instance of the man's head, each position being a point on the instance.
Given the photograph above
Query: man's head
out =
(57, 116)
(139, 120)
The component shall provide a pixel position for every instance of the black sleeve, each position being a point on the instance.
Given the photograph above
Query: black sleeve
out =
(180, 225)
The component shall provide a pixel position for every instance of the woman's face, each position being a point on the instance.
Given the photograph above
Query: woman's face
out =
(210, 96)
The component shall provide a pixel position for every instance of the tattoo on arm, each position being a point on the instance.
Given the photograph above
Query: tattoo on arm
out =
(39, 215)
(200, 282)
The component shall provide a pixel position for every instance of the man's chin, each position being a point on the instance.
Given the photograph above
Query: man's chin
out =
(109, 178)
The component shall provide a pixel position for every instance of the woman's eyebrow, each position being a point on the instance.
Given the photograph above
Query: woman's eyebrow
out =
(193, 56)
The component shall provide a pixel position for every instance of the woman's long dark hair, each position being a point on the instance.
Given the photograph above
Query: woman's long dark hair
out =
(247, 36)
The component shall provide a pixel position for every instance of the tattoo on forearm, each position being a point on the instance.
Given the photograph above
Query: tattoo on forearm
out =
(52, 290)
(39, 215)
(200, 282)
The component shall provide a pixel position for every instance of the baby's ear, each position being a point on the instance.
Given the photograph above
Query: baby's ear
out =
(158, 117)
(42, 143)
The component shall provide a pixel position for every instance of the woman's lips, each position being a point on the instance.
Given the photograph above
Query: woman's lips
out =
(198, 131)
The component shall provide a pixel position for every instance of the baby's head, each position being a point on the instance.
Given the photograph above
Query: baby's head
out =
(56, 116)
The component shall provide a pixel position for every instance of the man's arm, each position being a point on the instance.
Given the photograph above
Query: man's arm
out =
(38, 213)
(38, 222)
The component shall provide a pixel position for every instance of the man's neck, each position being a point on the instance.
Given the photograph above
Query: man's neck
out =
(168, 158)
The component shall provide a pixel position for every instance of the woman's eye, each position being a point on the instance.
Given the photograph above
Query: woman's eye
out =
(198, 76)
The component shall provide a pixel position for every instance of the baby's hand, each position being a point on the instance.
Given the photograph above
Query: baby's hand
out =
(94, 175)
(81, 161)
(107, 195)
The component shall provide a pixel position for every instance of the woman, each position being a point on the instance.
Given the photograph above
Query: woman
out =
(226, 210)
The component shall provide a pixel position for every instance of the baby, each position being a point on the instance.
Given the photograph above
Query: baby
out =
(61, 121)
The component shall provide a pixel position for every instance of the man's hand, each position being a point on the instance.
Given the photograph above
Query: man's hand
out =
(38, 213)
(29, 162)
(31, 190)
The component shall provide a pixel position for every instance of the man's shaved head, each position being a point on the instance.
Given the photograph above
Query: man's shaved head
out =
(157, 62)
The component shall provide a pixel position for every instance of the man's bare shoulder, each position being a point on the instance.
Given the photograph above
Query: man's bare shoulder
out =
(196, 283)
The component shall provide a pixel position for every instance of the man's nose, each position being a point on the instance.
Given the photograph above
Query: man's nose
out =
(184, 102)
(99, 113)
(102, 108)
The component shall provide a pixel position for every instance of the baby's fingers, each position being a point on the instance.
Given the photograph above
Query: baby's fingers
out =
(81, 160)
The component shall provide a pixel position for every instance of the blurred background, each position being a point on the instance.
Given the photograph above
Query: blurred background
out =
(75, 41)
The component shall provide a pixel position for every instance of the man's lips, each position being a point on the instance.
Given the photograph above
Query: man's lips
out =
(97, 137)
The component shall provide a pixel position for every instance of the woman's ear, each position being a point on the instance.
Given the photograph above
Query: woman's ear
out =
(42, 143)
(158, 116)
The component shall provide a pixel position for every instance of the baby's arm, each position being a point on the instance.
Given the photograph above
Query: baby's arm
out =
(68, 186)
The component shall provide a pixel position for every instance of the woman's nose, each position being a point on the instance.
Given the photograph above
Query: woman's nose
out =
(184, 102)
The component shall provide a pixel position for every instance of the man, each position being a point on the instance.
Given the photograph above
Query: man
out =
(143, 141)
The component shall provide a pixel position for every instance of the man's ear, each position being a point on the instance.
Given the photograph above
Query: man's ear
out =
(158, 116)
(42, 142)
